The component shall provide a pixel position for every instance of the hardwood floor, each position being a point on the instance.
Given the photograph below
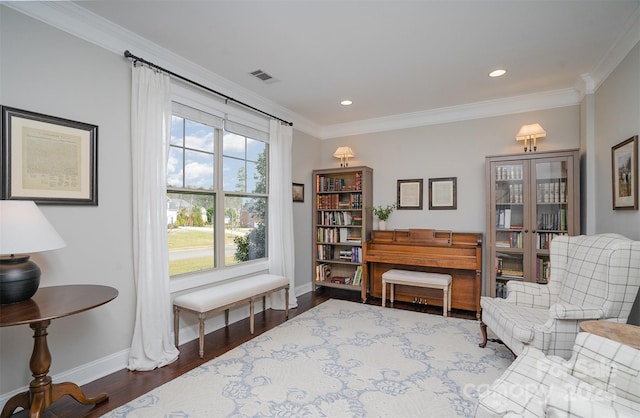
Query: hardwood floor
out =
(123, 386)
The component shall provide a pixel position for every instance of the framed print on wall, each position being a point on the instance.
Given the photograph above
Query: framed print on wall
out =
(298, 192)
(48, 159)
(443, 193)
(409, 194)
(624, 174)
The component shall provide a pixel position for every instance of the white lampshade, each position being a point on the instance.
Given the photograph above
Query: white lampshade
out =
(343, 152)
(531, 131)
(25, 229)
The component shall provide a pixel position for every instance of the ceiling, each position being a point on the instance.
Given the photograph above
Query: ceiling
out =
(391, 58)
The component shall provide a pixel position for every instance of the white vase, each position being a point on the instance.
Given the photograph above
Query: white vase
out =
(382, 225)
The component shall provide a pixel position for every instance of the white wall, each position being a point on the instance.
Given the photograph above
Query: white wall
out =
(449, 150)
(306, 157)
(617, 118)
(47, 71)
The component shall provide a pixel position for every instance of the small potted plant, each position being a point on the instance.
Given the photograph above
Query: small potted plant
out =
(382, 213)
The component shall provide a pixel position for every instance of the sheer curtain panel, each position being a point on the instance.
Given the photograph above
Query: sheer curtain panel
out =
(152, 344)
(281, 240)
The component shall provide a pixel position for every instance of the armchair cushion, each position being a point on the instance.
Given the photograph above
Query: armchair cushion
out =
(515, 321)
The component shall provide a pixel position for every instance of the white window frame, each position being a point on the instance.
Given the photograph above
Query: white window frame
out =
(211, 105)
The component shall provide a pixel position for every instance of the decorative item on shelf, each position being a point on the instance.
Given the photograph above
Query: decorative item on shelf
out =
(344, 153)
(382, 213)
(24, 229)
(531, 132)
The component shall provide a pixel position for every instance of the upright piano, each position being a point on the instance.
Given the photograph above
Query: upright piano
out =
(456, 253)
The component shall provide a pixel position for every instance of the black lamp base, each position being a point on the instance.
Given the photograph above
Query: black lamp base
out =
(19, 278)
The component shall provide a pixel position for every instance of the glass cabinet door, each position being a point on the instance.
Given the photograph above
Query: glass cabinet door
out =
(549, 220)
(510, 214)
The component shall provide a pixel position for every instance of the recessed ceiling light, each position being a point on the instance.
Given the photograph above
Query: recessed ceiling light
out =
(497, 73)
(346, 103)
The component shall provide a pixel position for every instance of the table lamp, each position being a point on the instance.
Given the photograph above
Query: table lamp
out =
(23, 229)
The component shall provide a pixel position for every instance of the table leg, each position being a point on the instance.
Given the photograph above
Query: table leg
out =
(20, 400)
(42, 393)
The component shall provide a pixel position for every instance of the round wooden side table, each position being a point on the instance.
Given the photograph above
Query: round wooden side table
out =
(47, 304)
(623, 333)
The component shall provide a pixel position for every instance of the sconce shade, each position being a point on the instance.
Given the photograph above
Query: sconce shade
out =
(344, 153)
(530, 132)
(23, 229)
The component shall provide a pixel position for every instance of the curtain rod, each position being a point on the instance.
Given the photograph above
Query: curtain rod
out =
(135, 59)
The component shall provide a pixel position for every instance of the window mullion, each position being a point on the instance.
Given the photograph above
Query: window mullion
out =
(220, 227)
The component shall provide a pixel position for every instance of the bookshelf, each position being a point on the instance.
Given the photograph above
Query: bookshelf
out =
(531, 198)
(341, 225)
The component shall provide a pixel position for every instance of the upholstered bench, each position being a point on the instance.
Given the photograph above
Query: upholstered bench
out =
(226, 296)
(418, 279)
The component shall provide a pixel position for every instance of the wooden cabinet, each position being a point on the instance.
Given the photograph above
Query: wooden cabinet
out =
(531, 198)
(341, 225)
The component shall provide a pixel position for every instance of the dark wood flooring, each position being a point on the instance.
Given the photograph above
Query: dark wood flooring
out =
(123, 386)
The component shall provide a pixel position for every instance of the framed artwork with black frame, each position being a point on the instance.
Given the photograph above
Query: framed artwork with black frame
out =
(48, 159)
(298, 192)
(443, 193)
(624, 174)
(409, 194)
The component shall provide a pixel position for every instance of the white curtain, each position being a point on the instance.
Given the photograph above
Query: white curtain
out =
(281, 245)
(153, 344)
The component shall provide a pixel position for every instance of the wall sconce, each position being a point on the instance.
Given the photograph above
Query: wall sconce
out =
(24, 229)
(530, 132)
(344, 153)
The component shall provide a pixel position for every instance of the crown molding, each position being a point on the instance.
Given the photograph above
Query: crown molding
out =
(88, 26)
(478, 110)
(628, 39)
(92, 28)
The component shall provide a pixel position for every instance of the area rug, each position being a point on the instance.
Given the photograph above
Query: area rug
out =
(339, 359)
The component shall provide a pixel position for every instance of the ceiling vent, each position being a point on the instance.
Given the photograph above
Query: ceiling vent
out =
(263, 76)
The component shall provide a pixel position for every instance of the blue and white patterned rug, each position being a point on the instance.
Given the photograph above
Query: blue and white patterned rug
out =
(339, 359)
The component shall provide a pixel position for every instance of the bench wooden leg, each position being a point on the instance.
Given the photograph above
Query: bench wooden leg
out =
(264, 303)
(251, 319)
(176, 324)
(445, 300)
(226, 317)
(384, 292)
(449, 302)
(286, 302)
(201, 317)
(392, 290)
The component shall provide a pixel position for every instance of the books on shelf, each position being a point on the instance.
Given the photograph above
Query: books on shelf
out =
(323, 272)
(357, 276)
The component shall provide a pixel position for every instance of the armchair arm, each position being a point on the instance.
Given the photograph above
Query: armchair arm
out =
(566, 311)
(532, 295)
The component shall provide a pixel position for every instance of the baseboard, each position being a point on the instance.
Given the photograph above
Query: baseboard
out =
(83, 374)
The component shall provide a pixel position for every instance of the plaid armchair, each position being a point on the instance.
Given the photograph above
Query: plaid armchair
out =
(601, 379)
(592, 277)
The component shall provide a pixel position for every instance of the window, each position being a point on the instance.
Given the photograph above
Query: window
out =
(245, 186)
(217, 195)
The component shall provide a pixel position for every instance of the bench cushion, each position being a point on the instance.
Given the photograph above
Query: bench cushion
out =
(214, 297)
(417, 277)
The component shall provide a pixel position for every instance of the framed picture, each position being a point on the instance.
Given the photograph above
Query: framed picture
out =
(298, 192)
(443, 193)
(624, 174)
(48, 159)
(409, 194)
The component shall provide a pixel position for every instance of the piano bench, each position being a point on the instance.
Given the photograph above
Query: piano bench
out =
(418, 279)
